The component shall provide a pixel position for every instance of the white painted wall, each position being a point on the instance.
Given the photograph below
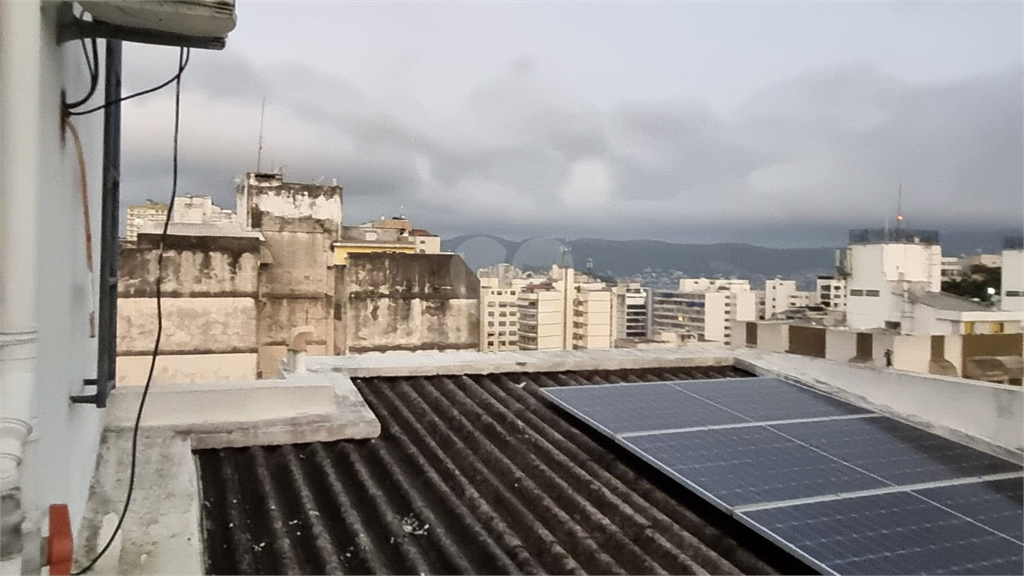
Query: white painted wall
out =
(715, 316)
(1013, 280)
(955, 406)
(773, 336)
(840, 345)
(777, 294)
(912, 353)
(61, 453)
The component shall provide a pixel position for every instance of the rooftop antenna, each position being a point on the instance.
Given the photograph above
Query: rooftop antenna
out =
(259, 152)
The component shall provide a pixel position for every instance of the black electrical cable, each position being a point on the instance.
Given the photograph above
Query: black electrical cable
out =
(182, 60)
(182, 64)
(94, 74)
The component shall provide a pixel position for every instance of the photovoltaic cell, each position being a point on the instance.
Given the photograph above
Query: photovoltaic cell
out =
(623, 408)
(768, 399)
(897, 452)
(896, 533)
(750, 465)
(713, 436)
(996, 504)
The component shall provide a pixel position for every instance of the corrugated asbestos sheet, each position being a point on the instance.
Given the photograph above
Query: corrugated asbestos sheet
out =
(471, 475)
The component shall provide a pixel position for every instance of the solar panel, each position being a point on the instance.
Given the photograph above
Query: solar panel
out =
(895, 533)
(623, 408)
(750, 464)
(996, 504)
(845, 489)
(897, 452)
(768, 399)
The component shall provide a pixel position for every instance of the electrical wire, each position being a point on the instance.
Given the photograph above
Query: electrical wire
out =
(84, 182)
(94, 74)
(182, 64)
(182, 61)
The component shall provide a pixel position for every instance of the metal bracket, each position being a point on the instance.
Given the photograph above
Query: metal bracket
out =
(95, 398)
(72, 28)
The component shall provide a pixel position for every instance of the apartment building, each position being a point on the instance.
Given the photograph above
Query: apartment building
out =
(187, 210)
(499, 315)
(592, 319)
(708, 314)
(632, 311)
(541, 318)
(830, 293)
(554, 317)
(781, 295)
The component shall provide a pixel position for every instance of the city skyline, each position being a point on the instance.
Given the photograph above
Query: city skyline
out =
(776, 125)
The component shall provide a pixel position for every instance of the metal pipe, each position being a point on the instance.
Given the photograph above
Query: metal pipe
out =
(106, 369)
(20, 110)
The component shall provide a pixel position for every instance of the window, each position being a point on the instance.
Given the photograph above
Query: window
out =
(491, 314)
(502, 323)
(968, 327)
(512, 292)
(502, 304)
(997, 327)
(512, 323)
(502, 343)
(1013, 293)
(871, 293)
(490, 342)
(490, 324)
(856, 292)
(498, 292)
(491, 304)
(502, 333)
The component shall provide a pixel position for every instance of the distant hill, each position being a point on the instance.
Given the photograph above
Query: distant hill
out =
(653, 258)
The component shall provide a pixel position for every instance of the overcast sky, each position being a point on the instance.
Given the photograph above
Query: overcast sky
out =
(780, 124)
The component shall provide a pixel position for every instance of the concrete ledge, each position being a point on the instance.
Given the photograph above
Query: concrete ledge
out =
(312, 408)
(987, 416)
(430, 363)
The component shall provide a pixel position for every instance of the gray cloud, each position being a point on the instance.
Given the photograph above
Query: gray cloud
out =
(518, 157)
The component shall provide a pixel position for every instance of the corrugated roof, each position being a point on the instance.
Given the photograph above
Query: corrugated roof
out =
(471, 475)
(226, 229)
(952, 302)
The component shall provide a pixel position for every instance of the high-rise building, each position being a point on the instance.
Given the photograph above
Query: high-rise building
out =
(782, 295)
(499, 314)
(632, 318)
(705, 308)
(565, 314)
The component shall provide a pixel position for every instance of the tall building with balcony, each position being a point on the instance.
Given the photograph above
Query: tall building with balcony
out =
(632, 311)
(499, 315)
(704, 308)
(565, 314)
(831, 293)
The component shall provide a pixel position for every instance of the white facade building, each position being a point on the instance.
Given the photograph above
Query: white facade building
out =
(499, 315)
(187, 210)
(632, 319)
(708, 314)
(831, 293)
(882, 267)
(782, 295)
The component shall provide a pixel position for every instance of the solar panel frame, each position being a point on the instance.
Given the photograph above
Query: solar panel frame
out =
(742, 515)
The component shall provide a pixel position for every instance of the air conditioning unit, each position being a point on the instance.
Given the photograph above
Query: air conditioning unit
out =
(199, 18)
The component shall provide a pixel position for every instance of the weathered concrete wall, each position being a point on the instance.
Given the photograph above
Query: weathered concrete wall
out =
(187, 368)
(408, 302)
(190, 325)
(208, 288)
(188, 272)
(268, 203)
(297, 289)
